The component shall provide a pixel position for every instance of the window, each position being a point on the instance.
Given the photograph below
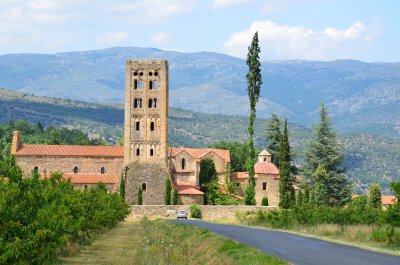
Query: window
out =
(135, 73)
(137, 126)
(265, 159)
(76, 170)
(152, 126)
(144, 186)
(150, 103)
(155, 84)
(137, 103)
(150, 84)
(135, 84)
(36, 170)
(183, 163)
(150, 73)
(102, 170)
(151, 152)
(140, 84)
(264, 187)
(137, 152)
(155, 103)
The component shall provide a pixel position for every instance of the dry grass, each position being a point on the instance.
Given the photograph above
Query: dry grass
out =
(160, 242)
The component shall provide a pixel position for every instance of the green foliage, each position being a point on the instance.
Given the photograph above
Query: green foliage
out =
(395, 185)
(212, 192)
(325, 150)
(300, 196)
(208, 180)
(321, 176)
(249, 194)
(360, 203)
(274, 136)
(306, 197)
(40, 217)
(393, 212)
(140, 196)
(375, 196)
(195, 211)
(122, 185)
(239, 153)
(168, 189)
(264, 201)
(175, 197)
(286, 199)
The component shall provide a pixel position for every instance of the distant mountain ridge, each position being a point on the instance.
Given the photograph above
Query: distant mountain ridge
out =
(362, 97)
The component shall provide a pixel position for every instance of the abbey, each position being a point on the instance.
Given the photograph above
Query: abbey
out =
(145, 160)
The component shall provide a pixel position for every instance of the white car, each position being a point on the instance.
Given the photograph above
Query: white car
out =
(181, 214)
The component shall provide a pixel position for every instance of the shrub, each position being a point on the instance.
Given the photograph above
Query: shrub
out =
(264, 201)
(195, 211)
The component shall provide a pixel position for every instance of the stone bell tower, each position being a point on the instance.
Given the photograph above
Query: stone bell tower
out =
(146, 112)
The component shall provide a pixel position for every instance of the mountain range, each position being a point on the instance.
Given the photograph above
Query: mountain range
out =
(362, 97)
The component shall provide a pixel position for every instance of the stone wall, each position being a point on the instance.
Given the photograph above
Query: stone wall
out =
(150, 175)
(66, 164)
(207, 211)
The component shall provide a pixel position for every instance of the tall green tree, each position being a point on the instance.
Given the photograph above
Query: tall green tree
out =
(375, 196)
(321, 186)
(122, 187)
(168, 190)
(285, 180)
(300, 198)
(273, 138)
(208, 175)
(175, 197)
(140, 196)
(324, 149)
(254, 82)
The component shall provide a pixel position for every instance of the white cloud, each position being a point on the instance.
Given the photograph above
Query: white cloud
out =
(296, 42)
(228, 3)
(160, 38)
(273, 6)
(112, 38)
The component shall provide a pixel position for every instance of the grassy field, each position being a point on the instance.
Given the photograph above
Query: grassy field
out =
(160, 242)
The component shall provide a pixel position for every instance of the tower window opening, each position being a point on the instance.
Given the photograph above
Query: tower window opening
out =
(150, 73)
(141, 74)
(76, 169)
(155, 84)
(36, 170)
(155, 73)
(135, 73)
(183, 163)
(137, 152)
(137, 126)
(144, 186)
(150, 84)
(152, 126)
(265, 159)
(102, 170)
(151, 152)
(137, 103)
(135, 84)
(264, 186)
(140, 84)
(155, 103)
(150, 103)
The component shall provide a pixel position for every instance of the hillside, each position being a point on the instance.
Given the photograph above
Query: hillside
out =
(368, 158)
(363, 97)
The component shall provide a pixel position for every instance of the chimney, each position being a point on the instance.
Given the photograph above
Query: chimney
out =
(16, 142)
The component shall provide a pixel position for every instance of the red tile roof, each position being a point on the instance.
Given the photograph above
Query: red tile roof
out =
(240, 175)
(189, 190)
(266, 168)
(386, 200)
(201, 152)
(70, 150)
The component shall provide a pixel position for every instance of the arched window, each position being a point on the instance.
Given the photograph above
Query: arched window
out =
(150, 84)
(76, 169)
(36, 170)
(151, 152)
(135, 84)
(140, 84)
(155, 103)
(150, 103)
(137, 152)
(152, 126)
(144, 186)
(137, 126)
(102, 170)
(155, 84)
(183, 163)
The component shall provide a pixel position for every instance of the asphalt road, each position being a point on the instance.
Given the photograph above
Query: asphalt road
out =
(297, 249)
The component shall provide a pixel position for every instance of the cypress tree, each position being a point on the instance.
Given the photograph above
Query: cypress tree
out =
(375, 196)
(285, 181)
(292, 197)
(325, 150)
(321, 189)
(306, 196)
(122, 187)
(140, 196)
(168, 188)
(175, 197)
(300, 198)
(254, 82)
(273, 138)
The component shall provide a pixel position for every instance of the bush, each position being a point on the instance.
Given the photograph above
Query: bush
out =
(195, 211)
(264, 201)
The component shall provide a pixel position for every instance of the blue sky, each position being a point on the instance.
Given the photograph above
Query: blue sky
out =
(289, 29)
